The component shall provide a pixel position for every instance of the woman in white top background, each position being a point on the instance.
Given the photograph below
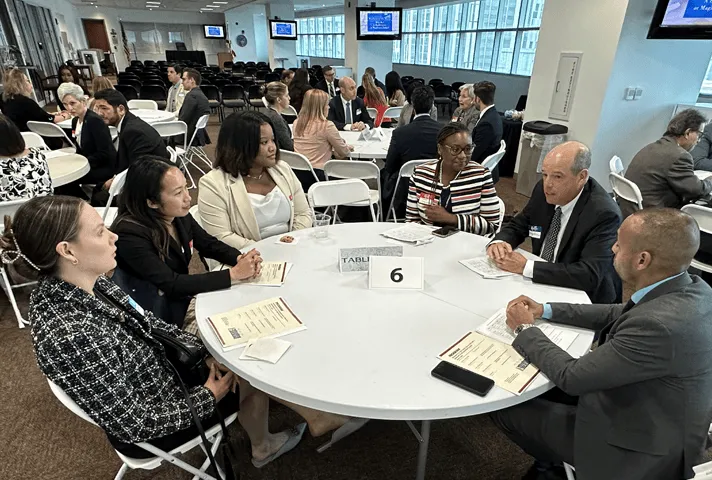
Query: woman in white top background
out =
(251, 194)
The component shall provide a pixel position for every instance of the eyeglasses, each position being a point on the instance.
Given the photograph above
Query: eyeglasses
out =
(456, 150)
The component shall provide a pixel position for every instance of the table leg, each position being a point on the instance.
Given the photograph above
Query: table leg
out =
(423, 450)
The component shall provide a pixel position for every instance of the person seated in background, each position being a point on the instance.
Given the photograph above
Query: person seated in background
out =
(156, 240)
(24, 172)
(374, 98)
(346, 110)
(467, 111)
(417, 140)
(487, 134)
(396, 92)
(643, 407)
(93, 140)
(316, 137)
(195, 105)
(572, 222)
(251, 194)
(98, 84)
(453, 190)
(277, 97)
(372, 72)
(176, 94)
(19, 106)
(408, 113)
(287, 76)
(298, 87)
(329, 83)
(664, 170)
(136, 137)
(69, 74)
(88, 334)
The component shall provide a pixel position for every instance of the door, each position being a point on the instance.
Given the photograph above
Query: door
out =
(95, 31)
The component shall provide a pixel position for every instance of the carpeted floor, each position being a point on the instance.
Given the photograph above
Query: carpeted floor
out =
(43, 440)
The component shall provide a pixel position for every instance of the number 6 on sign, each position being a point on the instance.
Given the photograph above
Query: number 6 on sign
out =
(396, 272)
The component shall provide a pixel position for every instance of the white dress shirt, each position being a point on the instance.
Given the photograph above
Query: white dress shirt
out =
(347, 107)
(566, 211)
(482, 113)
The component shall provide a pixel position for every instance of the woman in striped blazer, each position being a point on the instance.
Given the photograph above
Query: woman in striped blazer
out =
(454, 190)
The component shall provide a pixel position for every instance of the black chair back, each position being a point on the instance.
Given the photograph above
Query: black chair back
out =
(261, 74)
(129, 81)
(233, 92)
(228, 65)
(435, 81)
(153, 92)
(272, 77)
(360, 92)
(128, 91)
(211, 91)
(254, 92)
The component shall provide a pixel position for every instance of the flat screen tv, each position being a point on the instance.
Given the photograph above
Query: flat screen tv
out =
(379, 23)
(282, 30)
(690, 19)
(214, 31)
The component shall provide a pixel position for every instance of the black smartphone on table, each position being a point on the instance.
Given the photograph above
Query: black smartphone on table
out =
(445, 231)
(465, 379)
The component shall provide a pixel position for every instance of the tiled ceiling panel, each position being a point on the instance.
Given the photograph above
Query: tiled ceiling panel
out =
(193, 6)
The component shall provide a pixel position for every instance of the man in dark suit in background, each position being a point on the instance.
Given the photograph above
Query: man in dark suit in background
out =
(195, 105)
(371, 71)
(329, 84)
(572, 222)
(644, 407)
(346, 110)
(702, 153)
(415, 141)
(136, 137)
(487, 135)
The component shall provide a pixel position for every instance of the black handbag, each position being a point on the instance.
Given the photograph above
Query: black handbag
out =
(187, 360)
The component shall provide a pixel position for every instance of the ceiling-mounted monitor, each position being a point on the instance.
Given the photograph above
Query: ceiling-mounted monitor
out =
(379, 23)
(282, 30)
(214, 31)
(682, 19)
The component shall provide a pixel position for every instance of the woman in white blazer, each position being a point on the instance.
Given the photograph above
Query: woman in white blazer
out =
(251, 194)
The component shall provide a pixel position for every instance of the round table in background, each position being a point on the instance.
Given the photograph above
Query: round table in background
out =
(66, 168)
(368, 149)
(369, 353)
(148, 116)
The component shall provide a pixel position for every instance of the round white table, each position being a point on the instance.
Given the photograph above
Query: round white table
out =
(368, 149)
(66, 168)
(369, 353)
(148, 116)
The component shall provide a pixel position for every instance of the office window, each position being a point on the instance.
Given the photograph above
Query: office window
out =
(321, 37)
(490, 35)
(706, 88)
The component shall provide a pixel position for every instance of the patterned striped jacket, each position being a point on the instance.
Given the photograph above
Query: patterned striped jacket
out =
(473, 197)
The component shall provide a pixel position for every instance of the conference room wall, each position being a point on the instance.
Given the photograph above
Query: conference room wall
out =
(252, 20)
(72, 22)
(111, 17)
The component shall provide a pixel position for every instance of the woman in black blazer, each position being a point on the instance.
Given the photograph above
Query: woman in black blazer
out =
(92, 139)
(156, 239)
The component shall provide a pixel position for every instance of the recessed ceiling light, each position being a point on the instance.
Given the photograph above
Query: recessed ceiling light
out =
(208, 9)
(221, 3)
(156, 3)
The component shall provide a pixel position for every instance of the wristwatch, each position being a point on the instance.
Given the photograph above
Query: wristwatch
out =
(522, 327)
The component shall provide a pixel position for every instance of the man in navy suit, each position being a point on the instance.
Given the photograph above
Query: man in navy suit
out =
(347, 102)
(487, 135)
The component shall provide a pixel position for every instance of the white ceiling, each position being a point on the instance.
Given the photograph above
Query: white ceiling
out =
(194, 6)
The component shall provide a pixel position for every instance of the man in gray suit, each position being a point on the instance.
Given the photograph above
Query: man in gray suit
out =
(664, 170)
(644, 393)
(195, 105)
(702, 153)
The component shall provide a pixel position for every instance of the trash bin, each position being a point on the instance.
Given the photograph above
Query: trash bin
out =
(538, 138)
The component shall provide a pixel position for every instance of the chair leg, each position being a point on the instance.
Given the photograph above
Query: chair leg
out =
(187, 172)
(21, 322)
(122, 471)
(569, 472)
(176, 461)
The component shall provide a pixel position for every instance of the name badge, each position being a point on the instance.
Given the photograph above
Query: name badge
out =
(426, 198)
(358, 112)
(357, 259)
(403, 273)
(454, 119)
(136, 306)
(535, 232)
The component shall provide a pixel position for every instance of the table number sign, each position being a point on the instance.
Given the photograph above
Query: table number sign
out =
(357, 259)
(403, 273)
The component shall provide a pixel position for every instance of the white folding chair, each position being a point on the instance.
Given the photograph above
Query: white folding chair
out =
(173, 129)
(625, 189)
(198, 151)
(108, 213)
(362, 171)
(501, 214)
(340, 192)
(9, 209)
(569, 472)
(372, 112)
(213, 434)
(492, 161)
(393, 112)
(143, 104)
(32, 140)
(703, 216)
(174, 155)
(297, 161)
(48, 129)
(406, 171)
(616, 165)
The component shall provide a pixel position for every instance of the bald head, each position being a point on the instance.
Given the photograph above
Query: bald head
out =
(671, 238)
(575, 155)
(565, 172)
(348, 88)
